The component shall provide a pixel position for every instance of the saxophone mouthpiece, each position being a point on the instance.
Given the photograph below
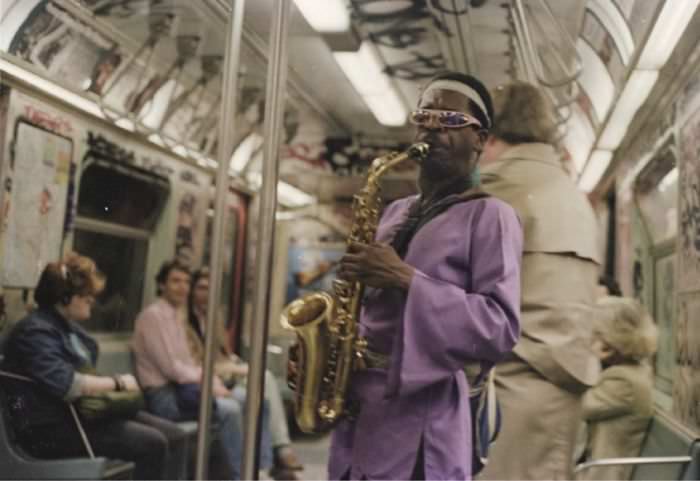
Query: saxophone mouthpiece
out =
(419, 151)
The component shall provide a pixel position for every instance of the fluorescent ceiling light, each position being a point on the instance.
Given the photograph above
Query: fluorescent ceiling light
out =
(668, 28)
(180, 150)
(633, 96)
(595, 79)
(669, 179)
(594, 170)
(387, 108)
(579, 138)
(325, 16)
(288, 215)
(52, 89)
(12, 16)
(126, 124)
(290, 196)
(155, 109)
(244, 152)
(156, 139)
(365, 71)
(287, 194)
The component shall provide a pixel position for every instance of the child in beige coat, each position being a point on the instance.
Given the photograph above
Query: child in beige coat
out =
(619, 407)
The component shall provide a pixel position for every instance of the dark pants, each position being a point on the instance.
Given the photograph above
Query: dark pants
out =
(157, 446)
(228, 418)
(418, 469)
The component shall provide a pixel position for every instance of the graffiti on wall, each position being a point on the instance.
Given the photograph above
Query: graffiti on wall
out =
(689, 179)
(686, 379)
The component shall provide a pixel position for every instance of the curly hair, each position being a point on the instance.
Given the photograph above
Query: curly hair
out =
(522, 114)
(76, 275)
(626, 326)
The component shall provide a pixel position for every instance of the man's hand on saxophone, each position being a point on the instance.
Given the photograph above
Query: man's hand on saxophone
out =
(376, 265)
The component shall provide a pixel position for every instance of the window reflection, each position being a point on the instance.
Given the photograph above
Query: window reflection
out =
(123, 261)
(657, 196)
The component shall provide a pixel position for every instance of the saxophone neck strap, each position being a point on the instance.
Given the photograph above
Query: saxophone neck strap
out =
(419, 214)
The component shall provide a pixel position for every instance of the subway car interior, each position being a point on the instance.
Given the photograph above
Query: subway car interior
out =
(252, 145)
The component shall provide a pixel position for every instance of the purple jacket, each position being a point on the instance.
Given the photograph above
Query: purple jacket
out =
(463, 305)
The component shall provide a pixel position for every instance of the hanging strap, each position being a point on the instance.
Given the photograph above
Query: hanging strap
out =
(492, 403)
(78, 424)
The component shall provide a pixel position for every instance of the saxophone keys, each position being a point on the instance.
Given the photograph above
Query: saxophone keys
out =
(326, 413)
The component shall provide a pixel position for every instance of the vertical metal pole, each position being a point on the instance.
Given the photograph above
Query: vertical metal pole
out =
(518, 14)
(528, 46)
(472, 57)
(274, 107)
(226, 128)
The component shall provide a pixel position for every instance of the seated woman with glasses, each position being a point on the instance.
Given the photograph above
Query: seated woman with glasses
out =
(53, 353)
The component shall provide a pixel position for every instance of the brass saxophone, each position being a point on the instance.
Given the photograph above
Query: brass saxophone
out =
(329, 348)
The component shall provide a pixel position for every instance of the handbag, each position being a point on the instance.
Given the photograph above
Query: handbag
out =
(188, 395)
(110, 405)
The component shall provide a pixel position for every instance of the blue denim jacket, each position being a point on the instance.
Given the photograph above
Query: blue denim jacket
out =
(40, 347)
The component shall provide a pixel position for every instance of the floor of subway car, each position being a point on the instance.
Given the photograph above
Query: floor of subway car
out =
(312, 451)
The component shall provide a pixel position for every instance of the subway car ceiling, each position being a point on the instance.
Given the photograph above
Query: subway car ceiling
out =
(355, 67)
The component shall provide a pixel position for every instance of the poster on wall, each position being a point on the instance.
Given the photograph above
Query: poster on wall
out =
(40, 178)
(689, 190)
(312, 268)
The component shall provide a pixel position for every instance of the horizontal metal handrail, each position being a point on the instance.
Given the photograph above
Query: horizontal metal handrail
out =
(633, 461)
(524, 37)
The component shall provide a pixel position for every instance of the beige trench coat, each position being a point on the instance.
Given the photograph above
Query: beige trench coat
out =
(540, 388)
(618, 410)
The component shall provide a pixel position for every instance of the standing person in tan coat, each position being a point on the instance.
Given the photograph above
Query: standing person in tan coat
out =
(618, 409)
(541, 384)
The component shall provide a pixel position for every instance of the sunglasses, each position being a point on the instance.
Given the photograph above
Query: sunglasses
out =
(448, 119)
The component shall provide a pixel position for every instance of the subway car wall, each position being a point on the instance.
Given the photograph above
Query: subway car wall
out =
(106, 194)
(654, 180)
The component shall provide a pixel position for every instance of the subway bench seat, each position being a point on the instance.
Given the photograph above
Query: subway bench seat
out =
(15, 463)
(669, 452)
(119, 360)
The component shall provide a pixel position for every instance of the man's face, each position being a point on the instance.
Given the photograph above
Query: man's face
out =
(452, 150)
(176, 288)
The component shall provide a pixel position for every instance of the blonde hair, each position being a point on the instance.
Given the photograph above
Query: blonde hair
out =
(522, 114)
(626, 326)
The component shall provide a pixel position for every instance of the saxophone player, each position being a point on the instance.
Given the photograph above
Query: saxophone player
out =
(442, 289)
